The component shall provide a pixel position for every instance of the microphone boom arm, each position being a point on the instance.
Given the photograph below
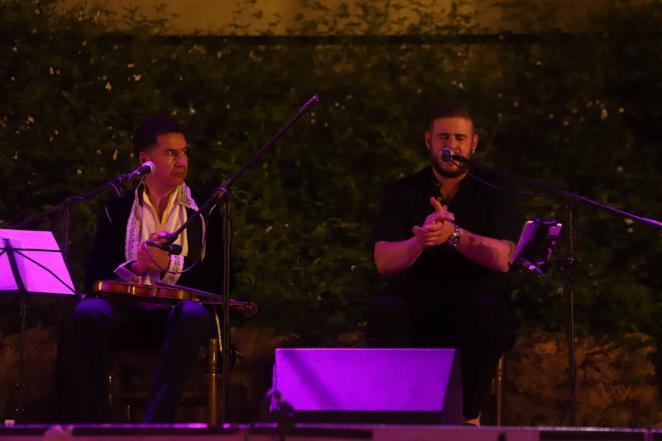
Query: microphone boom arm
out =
(223, 191)
(74, 199)
(447, 155)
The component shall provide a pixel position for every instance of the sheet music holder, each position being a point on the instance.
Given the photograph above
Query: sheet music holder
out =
(31, 262)
(536, 244)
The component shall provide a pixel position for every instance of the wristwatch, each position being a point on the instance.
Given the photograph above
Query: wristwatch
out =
(454, 239)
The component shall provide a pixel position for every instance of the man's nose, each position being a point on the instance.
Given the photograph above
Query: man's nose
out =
(181, 160)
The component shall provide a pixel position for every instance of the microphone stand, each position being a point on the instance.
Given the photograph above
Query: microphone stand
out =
(569, 266)
(65, 207)
(223, 194)
(565, 194)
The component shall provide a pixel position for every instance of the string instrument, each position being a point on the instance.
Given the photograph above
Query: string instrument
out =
(162, 293)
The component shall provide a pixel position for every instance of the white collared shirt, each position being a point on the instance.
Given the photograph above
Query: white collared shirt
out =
(144, 220)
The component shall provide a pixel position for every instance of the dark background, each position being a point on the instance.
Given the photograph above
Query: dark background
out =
(578, 110)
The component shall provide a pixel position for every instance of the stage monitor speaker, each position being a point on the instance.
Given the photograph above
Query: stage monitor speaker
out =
(370, 385)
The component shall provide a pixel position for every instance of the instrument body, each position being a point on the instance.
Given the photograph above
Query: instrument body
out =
(167, 294)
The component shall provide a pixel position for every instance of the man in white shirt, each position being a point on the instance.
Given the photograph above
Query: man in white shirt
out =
(161, 203)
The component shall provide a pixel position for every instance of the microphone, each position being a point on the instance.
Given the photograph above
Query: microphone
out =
(447, 155)
(146, 169)
(167, 244)
(171, 248)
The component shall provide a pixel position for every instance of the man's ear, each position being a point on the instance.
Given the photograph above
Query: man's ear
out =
(142, 157)
(474, 143)
(427, 137)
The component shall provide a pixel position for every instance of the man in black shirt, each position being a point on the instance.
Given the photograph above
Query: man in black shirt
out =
(444, 239)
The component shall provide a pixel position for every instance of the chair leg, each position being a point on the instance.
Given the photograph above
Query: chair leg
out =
(499, 392)
(212, 383)
(110, 395)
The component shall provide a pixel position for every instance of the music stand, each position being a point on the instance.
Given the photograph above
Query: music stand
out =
(536, 244)
(31, 263)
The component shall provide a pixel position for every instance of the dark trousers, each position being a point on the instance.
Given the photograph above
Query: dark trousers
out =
(477, 322)
(99, 326)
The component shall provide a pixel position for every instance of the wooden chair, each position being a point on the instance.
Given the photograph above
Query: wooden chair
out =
(498, 389)
(131, 377)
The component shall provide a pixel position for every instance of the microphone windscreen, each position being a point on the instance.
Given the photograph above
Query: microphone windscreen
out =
(148, 168)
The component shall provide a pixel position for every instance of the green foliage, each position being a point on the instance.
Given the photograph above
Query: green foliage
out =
(575, 110)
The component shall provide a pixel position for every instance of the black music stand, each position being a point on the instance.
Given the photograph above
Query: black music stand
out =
(31, 263)
(536, 244)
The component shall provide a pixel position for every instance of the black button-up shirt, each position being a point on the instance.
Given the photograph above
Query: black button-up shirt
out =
(442, 270)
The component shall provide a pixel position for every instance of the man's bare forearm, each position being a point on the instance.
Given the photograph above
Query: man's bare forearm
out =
(393, 257)
(486, 251)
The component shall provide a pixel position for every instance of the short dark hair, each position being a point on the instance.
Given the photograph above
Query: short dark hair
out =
(151, 128)
(452, 109)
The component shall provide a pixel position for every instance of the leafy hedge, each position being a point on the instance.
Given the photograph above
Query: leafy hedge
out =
(580, 111)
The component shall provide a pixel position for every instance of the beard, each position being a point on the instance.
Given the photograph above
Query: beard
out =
(437, 164)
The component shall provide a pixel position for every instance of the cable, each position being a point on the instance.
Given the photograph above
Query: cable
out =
(507, 190)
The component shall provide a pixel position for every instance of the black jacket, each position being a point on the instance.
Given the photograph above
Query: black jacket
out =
(108, 247)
